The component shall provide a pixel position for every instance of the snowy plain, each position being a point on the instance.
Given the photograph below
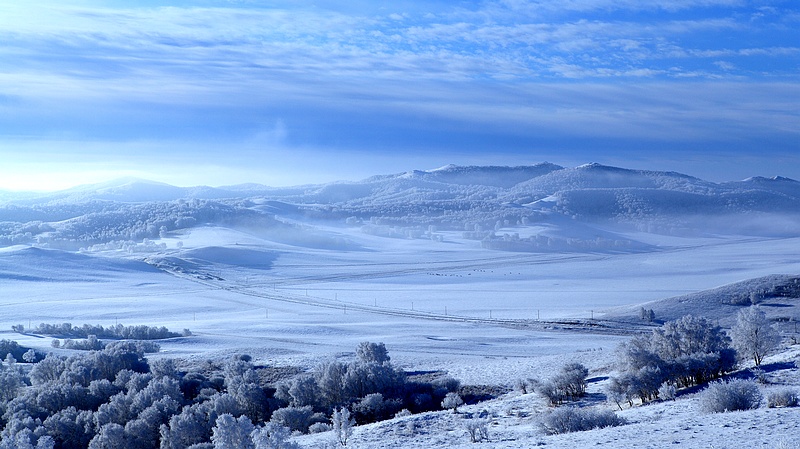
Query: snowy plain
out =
(446, 303)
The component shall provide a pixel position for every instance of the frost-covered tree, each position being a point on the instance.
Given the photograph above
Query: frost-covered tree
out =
(11, 381)
(110, 436)
(330, 380)
(753, 336)
(684, 352)
(233, 433)
(70, 428)
(569, 383)
(647, 315)
(304, 390)
(342, 425)
(273, 436)
(372, 352)
(295, 418)
(27, 440)
(452, 401)
(29, 356)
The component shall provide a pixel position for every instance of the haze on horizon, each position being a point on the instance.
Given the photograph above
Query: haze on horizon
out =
(285, 93)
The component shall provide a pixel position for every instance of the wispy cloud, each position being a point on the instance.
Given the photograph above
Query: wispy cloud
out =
(360, 75)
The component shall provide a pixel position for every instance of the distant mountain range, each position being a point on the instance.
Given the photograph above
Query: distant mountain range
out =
(466, 198)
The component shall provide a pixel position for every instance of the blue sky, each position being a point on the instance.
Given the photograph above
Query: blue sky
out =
(278, 92)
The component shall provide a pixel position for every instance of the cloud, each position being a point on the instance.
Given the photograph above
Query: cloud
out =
(410, 76)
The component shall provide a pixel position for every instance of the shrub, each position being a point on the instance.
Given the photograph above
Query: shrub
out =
(295, 418)
(452, 401)
(477, 429)
(525, 386)
(783, 398)
(273, 436)
(574, 419)
(373, 407)
(730, 396)
(319, 427)
(569, 383)
(667, 392)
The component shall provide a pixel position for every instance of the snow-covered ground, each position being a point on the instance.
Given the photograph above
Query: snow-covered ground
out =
(443, 303)
(432, 303)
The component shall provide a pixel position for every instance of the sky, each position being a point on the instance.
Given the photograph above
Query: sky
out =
(293, 92)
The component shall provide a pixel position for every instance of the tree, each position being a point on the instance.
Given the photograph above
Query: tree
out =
(569, 383)
(295, 418)
(452, 401)
(342, 425)
(753, 336)
(372, 352)
(233, 433)
(110, 436)
(685, 352)
(29, 356)
(273, 436)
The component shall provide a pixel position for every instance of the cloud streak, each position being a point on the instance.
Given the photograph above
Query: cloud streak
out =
(358, 76)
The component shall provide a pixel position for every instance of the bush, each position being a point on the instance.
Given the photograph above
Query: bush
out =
(478, 429)
(569, 383)
(783, 398)
(667, 392)
(319, 427)
(525, 386)
(574, 419)
(730, 396)
(118, 331)
(295, 418)
(452, 401)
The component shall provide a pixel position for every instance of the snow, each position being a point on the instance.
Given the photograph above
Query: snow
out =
(298, 288)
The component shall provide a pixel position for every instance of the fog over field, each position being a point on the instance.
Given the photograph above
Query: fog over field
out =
(494, 276)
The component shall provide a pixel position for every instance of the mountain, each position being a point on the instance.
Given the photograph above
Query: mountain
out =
(568, 204)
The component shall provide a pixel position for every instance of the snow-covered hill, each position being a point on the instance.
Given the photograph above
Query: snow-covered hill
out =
(501, 205)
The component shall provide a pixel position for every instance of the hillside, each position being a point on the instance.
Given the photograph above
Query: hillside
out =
(582, 207)
(777, 295)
